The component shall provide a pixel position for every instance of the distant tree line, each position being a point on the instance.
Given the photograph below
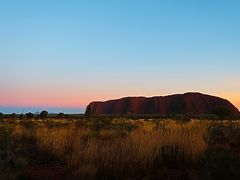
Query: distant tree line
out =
(42, 115)
(219, 113)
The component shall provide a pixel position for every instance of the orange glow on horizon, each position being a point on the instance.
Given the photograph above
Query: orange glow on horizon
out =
(80, 98)
(233, 98)
(67, 102)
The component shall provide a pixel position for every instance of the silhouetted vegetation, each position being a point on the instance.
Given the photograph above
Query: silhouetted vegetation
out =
(12, 116)
(61, 115)
(29, 115)
(1, 116)
(222, 112)
(221, 164)
(21, 116)
(43, 114)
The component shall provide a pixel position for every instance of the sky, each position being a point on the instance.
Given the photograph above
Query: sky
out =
(60, 55)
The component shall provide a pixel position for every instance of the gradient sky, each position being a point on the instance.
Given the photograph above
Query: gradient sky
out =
(60, 55)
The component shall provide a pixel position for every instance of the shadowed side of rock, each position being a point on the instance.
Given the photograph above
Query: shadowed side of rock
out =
(193, 103)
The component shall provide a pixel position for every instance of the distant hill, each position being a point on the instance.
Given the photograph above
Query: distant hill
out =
(192, 103)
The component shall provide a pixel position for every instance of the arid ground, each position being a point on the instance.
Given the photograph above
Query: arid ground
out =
(119, 148)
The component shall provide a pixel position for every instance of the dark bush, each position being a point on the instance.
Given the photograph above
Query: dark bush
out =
(29, 115)
(222, 112)
(21, 116)
(221, 165)
(1, 116)
(61, 115)
(12, 116)
(43, 114)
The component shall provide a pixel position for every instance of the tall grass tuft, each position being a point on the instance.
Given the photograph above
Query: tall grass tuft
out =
(113, 154)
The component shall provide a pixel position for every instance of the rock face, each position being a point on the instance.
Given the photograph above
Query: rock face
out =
(193, 103)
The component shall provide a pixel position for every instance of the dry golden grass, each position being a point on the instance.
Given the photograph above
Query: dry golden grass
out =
(118, 148)
(112, 152)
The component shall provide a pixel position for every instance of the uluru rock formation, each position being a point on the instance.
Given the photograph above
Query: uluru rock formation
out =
(193, 103)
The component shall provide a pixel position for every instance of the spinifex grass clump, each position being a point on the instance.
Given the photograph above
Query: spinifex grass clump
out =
(119, 149)
(114, 154)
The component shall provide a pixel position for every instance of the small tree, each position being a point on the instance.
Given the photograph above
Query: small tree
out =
(29, 115)
(21, 116)
(43, 114)
(1, 116)
(13, 116)
(61, 115)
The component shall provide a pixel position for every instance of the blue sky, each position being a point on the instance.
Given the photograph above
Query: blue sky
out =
(64, 54)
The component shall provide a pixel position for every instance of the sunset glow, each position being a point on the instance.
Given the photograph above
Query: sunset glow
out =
(65, 55)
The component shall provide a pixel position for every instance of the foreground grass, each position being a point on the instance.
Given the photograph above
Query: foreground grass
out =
(120, 149)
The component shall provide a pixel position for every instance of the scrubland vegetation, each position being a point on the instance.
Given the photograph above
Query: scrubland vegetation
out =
(119, 148)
